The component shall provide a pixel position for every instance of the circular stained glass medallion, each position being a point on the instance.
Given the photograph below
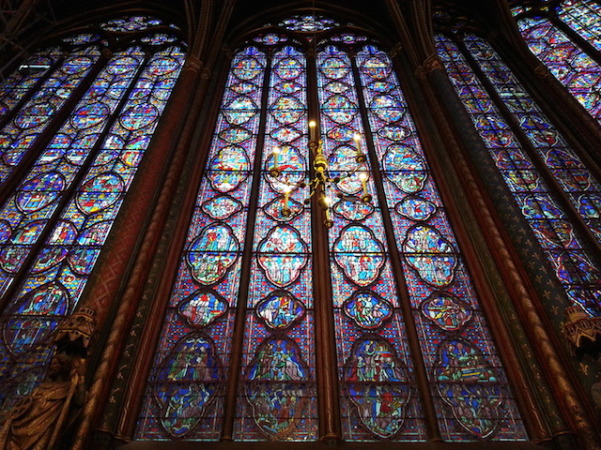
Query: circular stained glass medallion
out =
(376, 68)
(139, 116)
(89, 115)
(287, 110)
(308, 23)
(288, 68)
(367, 309)
(95, 234)
(162, 66)
(247, 68)
(240, 110)
(122, 65)
(34, 115)
(99, 193)
(76, 64)
(387, 108)
(334, 68)
(340, 109)
(40, 191)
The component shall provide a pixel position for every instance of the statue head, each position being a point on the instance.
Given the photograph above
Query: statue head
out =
(60, 367)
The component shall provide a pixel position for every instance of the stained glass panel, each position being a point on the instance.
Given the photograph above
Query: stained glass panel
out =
(569, 63)
(24, 80)
(249, 257)
(278, 397)
(187, 402)
(54, 225)
(572, 261)
(21, 133)
(378, 398)
(584, 17)
(308, 23)
(449, 320)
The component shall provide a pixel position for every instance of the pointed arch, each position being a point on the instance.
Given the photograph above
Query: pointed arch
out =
(390, 268)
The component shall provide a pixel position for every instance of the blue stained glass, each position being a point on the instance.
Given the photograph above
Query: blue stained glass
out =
(34, 117)
(467, 379)
(58, 176)
(584, 17)
(205, 293)
(440, 291)
(308, 23)
(567, 62)
(277, 403)
(24, 79)
(362, 278)
(276, 398)
(131, 23)
(280, 400)
(74, 234)
(187, 383)
(547, 219)
(280, 310)
(378, 386)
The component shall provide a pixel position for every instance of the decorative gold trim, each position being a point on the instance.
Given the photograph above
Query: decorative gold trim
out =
(580, 328)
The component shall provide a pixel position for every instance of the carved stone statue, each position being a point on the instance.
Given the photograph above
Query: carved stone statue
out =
(37, 421)
(40, 420)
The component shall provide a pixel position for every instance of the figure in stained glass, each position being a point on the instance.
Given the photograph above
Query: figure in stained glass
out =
(187, 383)
(282, 255)
(359, 254)
(469, 386)
(367, 309)
(447, 311)
(280, 309)
(202, 308)
(378, 386)
(212, 253)
(358, 93)
(430, 255)
(274, 387)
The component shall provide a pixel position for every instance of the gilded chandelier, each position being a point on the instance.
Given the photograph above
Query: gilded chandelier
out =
(321, 181)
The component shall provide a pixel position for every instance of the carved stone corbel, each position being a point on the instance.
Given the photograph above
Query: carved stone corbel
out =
(582, 330)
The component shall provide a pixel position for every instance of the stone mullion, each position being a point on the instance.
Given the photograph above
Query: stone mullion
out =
(325, 336)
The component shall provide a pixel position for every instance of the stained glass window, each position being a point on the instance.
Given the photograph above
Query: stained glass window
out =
(72, 170)
(567, 39)
(268, 258)
(547, 178)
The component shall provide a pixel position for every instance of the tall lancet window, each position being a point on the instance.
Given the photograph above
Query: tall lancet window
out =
(76, 120)
(320, 267)
(558, 196)
(566, 37)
